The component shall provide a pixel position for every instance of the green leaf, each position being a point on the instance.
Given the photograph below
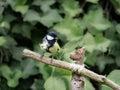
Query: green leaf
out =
(116, 4)
(32, 16)
(11, 2)
(118, 28)
(2, 40)
(21, 8)
(10, 42)
(17, 53)
(57, 84)
(102, 43)
(26, 31)
(102, 61)
(44, 69)
(62, 72)
(28, 66)
(114, 76)
(72, 8)
(23, 29)
(117, 60)
(18, 5)
(5, 24)
(37, 85)
(70, 48)
(69, 29)
(50, 17)
(14, 81)
(88, 42)
(90, 58)
(88, 85)
(93, 1)
(9, 17)
(20, 2)
(98, 23)
(1, 7)
(12, 76)
(44, 4)
(1, 17)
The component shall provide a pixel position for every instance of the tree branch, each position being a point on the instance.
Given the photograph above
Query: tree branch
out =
(80, 70)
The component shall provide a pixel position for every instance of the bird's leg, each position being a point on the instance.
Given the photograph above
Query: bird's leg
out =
(41, 56)
(52, 58)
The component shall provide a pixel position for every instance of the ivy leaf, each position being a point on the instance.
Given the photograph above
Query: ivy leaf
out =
(98, 23)
(44, 69)
(118, 28)
(71, 8)
(67, 51)
(17, 53)
(88, 85)
(93, 1)
(37, 85)
(50, 17)
(10, 42)
(113, 76)
(90, 58)
(9, 18)
(117, 60)
(102, 43)
(5, 24)
(44, 4)
(20, 2)
(31, 16)
(18, 5)
(23, 29)
(28, 66)
(57, 84)
(116, 4)
(1, 8)
(88, 42)
(12, 76)
(2, 40)
(69, 29)
(103, 61)
(26, 31)
(21, 8)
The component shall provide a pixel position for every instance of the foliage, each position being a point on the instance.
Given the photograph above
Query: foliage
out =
(94, 24)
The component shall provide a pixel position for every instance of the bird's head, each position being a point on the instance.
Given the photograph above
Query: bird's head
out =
(51, 36)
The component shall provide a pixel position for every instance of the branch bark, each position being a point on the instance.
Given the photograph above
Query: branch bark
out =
(77, 81)
(80, 70)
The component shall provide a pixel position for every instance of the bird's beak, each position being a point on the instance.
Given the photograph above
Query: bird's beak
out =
(56, 38)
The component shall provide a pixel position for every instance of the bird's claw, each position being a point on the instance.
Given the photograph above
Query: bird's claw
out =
(41, 56)
(52, 59)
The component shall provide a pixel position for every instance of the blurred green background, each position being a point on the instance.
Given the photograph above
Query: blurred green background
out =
(94, 24)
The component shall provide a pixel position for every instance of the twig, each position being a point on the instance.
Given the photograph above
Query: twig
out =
(65, 65)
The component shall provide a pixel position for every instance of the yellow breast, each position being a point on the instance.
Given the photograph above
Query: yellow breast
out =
(54, 48)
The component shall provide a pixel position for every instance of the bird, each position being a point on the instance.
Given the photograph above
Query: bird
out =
(50, 44)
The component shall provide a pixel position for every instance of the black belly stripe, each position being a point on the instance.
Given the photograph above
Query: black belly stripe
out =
(49, 48)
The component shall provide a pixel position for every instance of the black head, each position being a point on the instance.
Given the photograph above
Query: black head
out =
(52, 34)
(51, 37)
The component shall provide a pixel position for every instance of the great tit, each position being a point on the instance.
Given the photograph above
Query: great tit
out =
(50, 44)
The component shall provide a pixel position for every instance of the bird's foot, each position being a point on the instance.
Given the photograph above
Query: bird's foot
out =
(41, 56)
(52, 59)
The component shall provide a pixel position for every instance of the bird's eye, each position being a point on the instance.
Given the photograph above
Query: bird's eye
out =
(49, 37)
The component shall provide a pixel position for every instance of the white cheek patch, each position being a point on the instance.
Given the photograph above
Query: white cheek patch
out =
(44, 45)
(49, 37)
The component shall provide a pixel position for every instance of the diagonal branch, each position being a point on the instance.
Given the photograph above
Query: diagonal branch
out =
(80, 70)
